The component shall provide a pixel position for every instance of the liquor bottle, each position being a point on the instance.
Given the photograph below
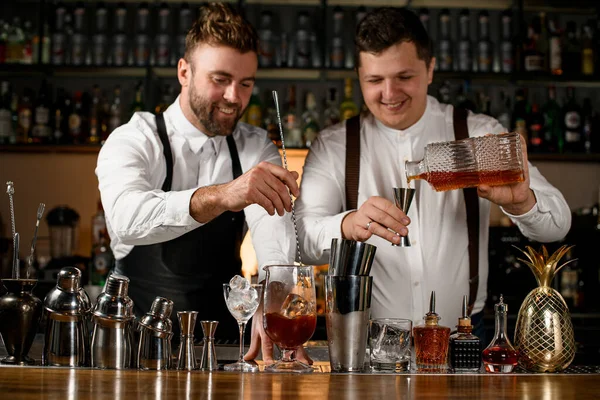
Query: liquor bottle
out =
(533, 59)
(425, 19)
(507, 52)
(76, 120)
(464, 347)
(337, 50)
(588, 124)
(535, 130)
(484, 46)
(431, 342)
(41, 132)
(361, 12)
(463, 97)
(520, 114)
(271, 124)
(445, 42)
(79, 38)
(445, 92)
(102, 260)
(292, 129)
(59, 38)
(138, 103)
(348, 108)
(15, 42)
(587, 50)
(25, 116)
(6, 128)
(41, 46)
(553, 136)
(116, 111)
(61, 109)
(100, 38)
(142, 40)
(3, 41)
(465, 58)
(500, 356)
(310, 120)
(331, 115)
(163, 38)
(98, 224)
(543, 41)
(555, 49)
(572, 124)
(267, 40)
(571, 51)
(27, 55)
(302, 56)
(254, 111)
(120, 50)
(95, 118)
(184, 23)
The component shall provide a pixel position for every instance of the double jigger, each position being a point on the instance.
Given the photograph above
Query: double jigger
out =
(403, 198)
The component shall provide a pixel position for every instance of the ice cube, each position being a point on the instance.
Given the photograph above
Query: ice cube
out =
(239, 283)
(235, 301)
(294, 305)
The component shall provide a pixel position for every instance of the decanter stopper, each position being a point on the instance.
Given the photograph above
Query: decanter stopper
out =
(208, 362)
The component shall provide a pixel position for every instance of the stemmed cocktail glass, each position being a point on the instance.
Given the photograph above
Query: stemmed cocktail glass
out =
(242, 300)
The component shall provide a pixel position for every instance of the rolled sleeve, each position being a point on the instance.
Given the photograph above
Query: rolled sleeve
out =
(177, 210)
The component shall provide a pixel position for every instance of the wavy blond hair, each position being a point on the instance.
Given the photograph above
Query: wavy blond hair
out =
(218, 24)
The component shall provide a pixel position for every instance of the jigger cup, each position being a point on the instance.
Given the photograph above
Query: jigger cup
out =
(403, 198)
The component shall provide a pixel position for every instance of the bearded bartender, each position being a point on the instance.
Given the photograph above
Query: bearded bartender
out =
(179, 188)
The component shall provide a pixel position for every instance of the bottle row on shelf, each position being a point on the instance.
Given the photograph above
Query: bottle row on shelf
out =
(554, 126)
(154, 35)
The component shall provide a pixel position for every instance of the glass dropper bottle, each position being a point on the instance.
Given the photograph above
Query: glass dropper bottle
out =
(500, 356)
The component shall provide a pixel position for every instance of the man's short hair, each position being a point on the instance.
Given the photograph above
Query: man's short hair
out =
(386, 26)
(218, 24)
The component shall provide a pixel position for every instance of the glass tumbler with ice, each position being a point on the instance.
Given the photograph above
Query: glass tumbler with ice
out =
(242, 299)
(389, 343)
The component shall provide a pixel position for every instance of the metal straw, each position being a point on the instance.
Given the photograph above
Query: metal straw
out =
(276, 99)
(40, 213)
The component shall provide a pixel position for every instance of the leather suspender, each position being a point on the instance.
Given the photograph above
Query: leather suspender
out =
(472, 204)
(471, 199)
(352, 161)
(164, 138)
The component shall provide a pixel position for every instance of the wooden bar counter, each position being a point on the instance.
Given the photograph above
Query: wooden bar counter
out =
(84, 383)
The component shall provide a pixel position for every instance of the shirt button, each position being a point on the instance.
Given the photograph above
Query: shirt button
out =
(416, 284)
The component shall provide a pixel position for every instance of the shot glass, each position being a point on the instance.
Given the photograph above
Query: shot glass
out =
(390, 344)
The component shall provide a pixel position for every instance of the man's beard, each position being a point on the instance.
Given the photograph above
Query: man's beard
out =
(205, 111)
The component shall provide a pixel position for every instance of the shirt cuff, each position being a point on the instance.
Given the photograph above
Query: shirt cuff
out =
(532, 216)
(177, 211)
(333, 229)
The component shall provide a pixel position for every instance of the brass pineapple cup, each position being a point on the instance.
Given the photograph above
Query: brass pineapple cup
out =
(544, 332)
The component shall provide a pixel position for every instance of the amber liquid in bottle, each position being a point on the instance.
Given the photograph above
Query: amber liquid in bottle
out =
(464, 352)
(431, 342)
(443, 180)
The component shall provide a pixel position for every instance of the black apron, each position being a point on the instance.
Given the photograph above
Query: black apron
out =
(191, 269)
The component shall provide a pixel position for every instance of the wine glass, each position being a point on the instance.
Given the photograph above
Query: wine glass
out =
(290, 312)
(242, 304)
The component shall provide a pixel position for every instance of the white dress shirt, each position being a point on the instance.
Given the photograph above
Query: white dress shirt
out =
(132, 167)
(438, 259)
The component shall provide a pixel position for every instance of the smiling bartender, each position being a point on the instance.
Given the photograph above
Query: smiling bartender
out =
(178, 188)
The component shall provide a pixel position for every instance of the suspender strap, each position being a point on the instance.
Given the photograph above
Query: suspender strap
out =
(164, 139)
(352, 161)
(472, 204)
(235, 159)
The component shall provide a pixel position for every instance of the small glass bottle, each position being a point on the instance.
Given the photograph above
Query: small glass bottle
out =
(464, 350)
(431, 342)
(500, 356)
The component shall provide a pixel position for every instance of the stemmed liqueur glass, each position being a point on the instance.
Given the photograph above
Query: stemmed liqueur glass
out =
(242, 304)
(290, 312)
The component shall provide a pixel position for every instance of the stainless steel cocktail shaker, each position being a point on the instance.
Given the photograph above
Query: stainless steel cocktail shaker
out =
(156, 331)
(66, 309)
(113, 318)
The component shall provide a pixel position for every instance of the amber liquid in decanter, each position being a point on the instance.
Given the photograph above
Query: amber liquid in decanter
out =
(431, 342)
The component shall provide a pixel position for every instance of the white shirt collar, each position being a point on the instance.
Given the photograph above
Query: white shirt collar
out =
(414, 129)
(195, 138)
